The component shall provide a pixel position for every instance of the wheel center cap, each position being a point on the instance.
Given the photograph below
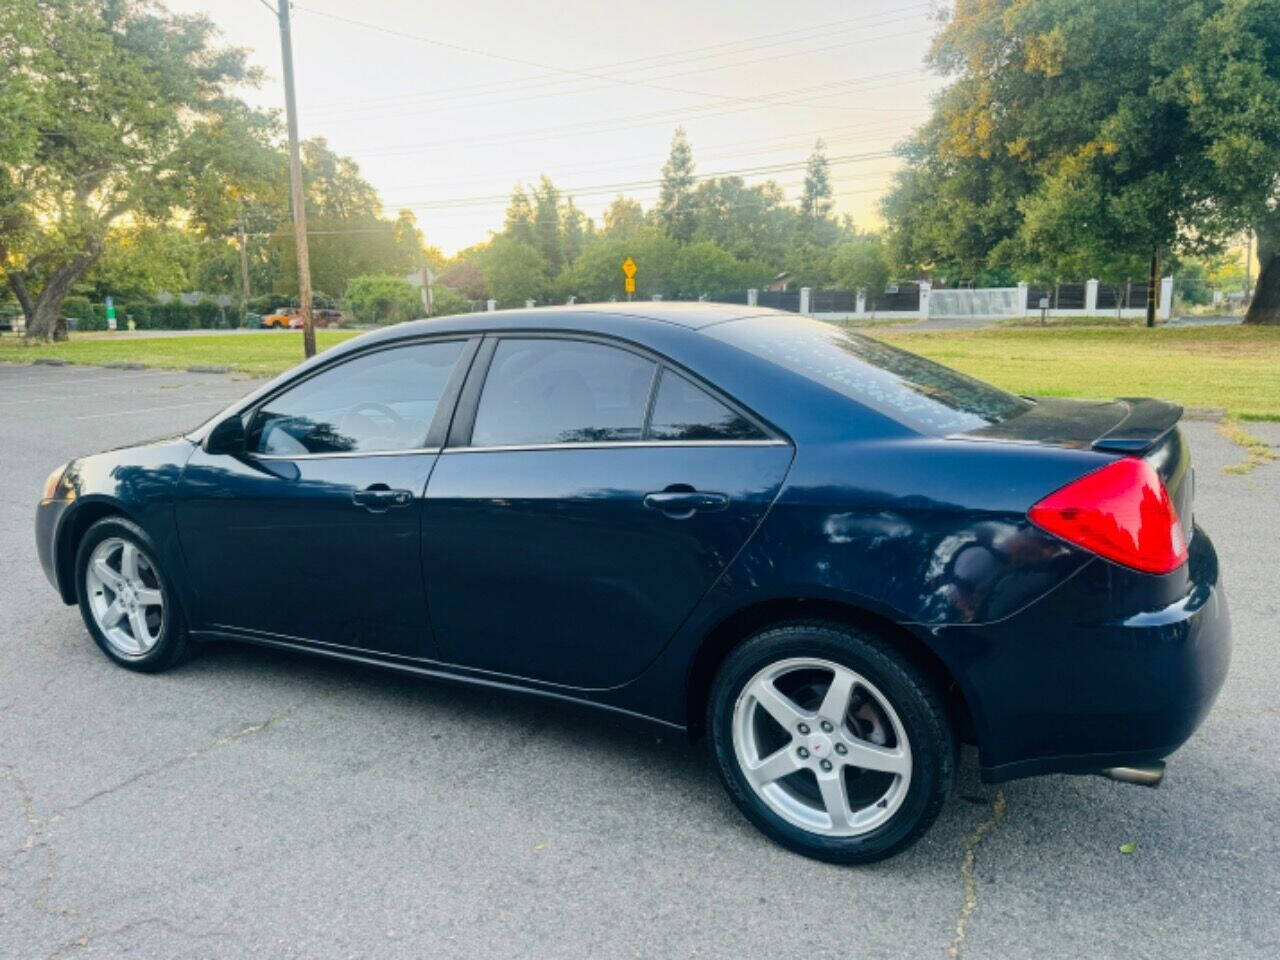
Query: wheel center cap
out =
(819, 745)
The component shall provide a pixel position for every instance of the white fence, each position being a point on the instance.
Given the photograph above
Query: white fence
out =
(986, 303)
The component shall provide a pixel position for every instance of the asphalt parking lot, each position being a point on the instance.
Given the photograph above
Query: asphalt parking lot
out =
(258, 804)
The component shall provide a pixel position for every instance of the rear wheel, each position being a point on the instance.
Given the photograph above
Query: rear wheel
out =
(125, 598)
(830, 741)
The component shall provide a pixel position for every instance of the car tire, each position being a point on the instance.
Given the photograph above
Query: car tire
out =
(787, 782)
(126, 599)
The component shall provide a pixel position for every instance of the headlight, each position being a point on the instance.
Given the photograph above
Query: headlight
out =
(52, 481)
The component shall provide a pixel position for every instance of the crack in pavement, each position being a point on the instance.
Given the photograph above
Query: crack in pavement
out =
(36, 838)
(92, 934)
(971, 844)
(172, 762)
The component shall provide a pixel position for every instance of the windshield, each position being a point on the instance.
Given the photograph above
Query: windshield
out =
(919, 393)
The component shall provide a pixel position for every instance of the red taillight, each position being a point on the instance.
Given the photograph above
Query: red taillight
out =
(1121, 512)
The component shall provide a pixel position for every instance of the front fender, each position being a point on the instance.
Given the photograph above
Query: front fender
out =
(134, 482)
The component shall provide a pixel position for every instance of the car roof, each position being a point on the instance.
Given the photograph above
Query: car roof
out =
(692, 316)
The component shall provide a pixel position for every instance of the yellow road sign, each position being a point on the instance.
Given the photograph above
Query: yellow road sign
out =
(628, 268)
(629, 285)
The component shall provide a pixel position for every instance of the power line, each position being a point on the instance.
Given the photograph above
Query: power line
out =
(795, 142)
(419, 106)
(586, 74)
(598, 126)
(677, 56)
(608, 188)
(743, 205)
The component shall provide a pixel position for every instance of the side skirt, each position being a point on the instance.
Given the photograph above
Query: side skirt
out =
(432, 673)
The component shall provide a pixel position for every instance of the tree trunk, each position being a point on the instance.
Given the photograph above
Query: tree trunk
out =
(42, 318)
(1265, 305)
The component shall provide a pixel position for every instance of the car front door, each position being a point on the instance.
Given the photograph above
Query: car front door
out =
(311, 532)
(589, 496)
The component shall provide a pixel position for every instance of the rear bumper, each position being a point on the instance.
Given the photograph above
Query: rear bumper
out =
(1113, 668)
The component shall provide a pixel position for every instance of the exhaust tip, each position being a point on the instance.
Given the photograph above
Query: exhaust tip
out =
(1143, 774)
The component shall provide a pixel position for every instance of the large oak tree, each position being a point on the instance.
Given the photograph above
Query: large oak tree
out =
(1077, 137)
(104, 105)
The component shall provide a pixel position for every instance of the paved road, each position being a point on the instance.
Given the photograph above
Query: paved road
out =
(256, 804)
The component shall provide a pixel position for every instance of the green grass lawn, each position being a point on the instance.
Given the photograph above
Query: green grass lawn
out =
(260, 354)
(1237, 368)
(1233, 367)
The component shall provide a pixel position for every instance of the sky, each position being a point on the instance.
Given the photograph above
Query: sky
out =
(447, 105)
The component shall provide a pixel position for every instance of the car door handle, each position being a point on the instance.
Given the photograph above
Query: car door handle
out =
(682, 504)
(378, 497)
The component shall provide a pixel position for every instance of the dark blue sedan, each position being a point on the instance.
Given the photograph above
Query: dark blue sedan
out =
(834, 559)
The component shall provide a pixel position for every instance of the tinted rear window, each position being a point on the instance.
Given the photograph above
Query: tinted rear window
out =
(919, 393)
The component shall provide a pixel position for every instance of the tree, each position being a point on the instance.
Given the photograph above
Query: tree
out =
(675, 198)
(464, 275)
(101, 98)
(1077, 140)
(817, 200)
(519, 222)
(574, 228)
(597, 274)
(347, 234)
(141, 260)
(513, 271)
(546, 224)
(861, 264)
(624, 217)
(702, 268)
(334, 186)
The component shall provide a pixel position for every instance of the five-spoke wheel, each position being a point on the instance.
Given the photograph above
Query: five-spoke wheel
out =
(125, 596)
(830, 740)
(126, 600)
(822, 746)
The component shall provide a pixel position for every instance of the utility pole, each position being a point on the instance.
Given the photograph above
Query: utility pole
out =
(428, 299)
(1153, 287)
(295, 181)
(244, 267)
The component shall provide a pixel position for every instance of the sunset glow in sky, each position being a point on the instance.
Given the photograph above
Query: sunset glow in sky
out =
(446, 105)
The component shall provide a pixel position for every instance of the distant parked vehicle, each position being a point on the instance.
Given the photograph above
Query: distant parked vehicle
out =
(321, 318)
(282, 319)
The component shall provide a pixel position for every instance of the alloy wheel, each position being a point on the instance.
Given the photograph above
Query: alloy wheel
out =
(822, 747)
(125, 596)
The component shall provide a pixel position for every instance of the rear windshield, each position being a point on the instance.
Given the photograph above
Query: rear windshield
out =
(923, 395)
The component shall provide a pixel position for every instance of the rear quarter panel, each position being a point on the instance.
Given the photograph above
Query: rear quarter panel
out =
(921, 532)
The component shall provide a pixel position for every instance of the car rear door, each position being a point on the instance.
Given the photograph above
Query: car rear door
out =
(589, 496)
(312, 532)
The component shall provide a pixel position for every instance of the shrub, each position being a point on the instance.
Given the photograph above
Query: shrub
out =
(445, 301)
(382, 298)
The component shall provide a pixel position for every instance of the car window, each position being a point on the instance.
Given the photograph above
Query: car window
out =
(562, 391)
(924, 395)
(683, 411)
(380, 401)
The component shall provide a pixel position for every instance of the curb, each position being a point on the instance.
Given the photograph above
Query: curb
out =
(125, 365)
(201, 368)
(50, 362)
(1213, 414)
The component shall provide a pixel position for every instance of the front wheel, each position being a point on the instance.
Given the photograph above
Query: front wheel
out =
(830, 741)
(126, 600)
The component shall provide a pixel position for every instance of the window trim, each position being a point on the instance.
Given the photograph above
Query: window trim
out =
(460, 434)
(437, 430)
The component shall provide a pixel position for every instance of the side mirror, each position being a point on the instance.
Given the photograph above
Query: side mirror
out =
(227, 437)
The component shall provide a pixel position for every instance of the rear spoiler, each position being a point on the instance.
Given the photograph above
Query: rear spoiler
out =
(1143, 426)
